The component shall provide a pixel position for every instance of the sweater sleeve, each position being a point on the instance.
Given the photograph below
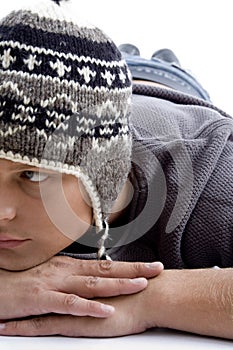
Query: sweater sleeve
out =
(208, 236)
(193, 146)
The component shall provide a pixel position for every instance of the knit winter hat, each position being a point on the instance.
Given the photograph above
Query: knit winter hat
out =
(65, 101)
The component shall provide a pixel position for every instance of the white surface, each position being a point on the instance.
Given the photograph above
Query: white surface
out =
(156, 339)
(200, 33)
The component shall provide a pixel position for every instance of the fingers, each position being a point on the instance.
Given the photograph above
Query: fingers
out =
(91, 287)
(36, 326)
(71, 326)
(107, 268)
(47, 325)
(72, 304)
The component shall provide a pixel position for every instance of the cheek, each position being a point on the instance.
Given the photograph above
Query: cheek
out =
(79, 203)
(33, 216)
(77, 208)
(67, 210)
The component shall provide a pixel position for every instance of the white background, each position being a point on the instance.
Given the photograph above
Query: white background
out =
(200, 32)
(154, 339)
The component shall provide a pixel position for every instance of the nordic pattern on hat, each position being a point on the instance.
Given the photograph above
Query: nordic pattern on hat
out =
(65, 100)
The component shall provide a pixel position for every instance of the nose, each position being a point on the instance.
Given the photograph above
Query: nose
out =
(7, 213)
(7, 204)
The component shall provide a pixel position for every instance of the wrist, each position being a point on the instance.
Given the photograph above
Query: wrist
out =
(159, 300)
(195, 301)
(177, 298)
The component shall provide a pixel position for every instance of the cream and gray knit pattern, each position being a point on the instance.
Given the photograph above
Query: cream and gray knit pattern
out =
(65, 96)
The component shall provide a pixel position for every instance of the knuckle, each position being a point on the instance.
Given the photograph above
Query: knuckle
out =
(37, 323)
(91, 281)
(122, 282)
(14, 325)
(59, 262)
(37, 271)
(70, 300)
(36, 290)
(105, 266)
(137, 268)
(81, 266)
(90, 306)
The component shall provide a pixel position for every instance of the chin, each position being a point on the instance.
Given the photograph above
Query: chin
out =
(19, 266)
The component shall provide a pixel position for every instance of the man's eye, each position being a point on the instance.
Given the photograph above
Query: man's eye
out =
(35, 176)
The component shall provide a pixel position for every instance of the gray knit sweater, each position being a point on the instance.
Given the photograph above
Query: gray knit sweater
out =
(181, 212)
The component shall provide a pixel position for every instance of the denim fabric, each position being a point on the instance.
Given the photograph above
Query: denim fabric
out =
(168, 74)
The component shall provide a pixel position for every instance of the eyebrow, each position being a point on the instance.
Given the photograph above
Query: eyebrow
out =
(21, 167)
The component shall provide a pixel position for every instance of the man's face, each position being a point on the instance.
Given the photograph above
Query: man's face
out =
(41, 213)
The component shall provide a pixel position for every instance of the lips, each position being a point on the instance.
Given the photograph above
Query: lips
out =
(10, 242)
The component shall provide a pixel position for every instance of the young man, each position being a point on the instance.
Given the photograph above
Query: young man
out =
(88, 171)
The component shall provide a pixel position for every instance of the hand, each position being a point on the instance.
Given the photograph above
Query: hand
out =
(64, 285)
(129, 318)
(197, 301)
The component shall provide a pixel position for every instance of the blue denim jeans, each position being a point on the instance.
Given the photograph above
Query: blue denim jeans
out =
(165, 73)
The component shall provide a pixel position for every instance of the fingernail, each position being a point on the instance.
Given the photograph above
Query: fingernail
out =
(107, 308)
(2, 325)
(138, 280)
(154, 265)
